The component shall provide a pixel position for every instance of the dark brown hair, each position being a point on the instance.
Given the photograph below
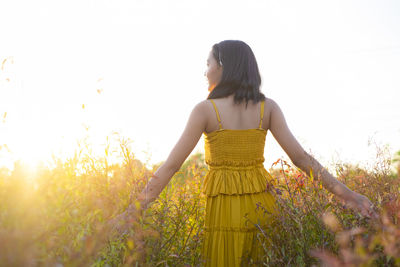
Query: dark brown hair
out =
(240, 75)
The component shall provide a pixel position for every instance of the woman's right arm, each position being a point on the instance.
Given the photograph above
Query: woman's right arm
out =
(311, 166)
(195, 127)
(186, 143)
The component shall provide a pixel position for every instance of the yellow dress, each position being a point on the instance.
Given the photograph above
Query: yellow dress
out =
(234, 185)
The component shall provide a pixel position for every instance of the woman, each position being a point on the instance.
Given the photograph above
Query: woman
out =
(235, 119)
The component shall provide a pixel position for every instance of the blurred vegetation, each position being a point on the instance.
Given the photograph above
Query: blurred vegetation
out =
(58, 217)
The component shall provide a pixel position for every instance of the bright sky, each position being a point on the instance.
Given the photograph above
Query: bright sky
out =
(137, 66)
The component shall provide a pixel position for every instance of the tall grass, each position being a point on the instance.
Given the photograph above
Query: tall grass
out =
(59, 217)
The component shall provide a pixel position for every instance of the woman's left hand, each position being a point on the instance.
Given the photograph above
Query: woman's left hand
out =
(362, 204)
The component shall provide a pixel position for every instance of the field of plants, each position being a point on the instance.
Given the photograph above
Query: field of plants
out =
(59, 216)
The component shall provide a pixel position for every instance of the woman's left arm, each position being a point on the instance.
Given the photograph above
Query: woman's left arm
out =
(311, 166)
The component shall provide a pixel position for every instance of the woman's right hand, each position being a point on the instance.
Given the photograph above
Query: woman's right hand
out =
(118, 223)
(123, 221)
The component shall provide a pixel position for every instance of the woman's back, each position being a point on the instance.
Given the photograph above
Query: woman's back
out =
(243, 143)
(237, 116)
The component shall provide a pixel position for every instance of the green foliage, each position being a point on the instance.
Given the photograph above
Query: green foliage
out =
(59, 216)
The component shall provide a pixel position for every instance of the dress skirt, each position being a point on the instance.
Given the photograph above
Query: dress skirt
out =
(235, 208)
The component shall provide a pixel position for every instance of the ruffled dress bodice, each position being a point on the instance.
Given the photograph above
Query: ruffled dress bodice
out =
(235, 159)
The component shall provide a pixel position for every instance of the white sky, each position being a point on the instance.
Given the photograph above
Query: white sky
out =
(332, 66)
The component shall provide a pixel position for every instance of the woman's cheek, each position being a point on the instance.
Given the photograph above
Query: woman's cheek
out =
(209, 76)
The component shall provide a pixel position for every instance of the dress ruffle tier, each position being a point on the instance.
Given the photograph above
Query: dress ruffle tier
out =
(235, 195)
(233, 180)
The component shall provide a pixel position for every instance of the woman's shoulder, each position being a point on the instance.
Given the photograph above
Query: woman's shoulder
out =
(270, 103)
(203, 107)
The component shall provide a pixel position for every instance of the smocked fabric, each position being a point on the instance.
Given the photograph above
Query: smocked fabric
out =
(236, 185)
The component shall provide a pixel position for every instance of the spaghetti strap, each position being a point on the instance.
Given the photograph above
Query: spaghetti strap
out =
(216, 111)
(261, 113)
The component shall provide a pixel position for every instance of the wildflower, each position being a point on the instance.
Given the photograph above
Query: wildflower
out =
(278, 191)
(276, 162)
(269, 187)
